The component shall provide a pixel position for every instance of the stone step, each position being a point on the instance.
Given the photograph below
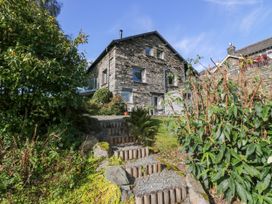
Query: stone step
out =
(169, 196)
(130, 152)
(116, 140)
(143, 167)
(159, 188)
(140, 171)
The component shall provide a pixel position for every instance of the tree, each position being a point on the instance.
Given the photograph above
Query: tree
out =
(40, 68)
(52, 6)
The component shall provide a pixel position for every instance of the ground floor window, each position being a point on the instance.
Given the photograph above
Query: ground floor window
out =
(127, 95)
(157, 101)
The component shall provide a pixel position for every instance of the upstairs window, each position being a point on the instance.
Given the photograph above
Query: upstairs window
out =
(171, 79)
(104, 76)
(160, 54)
(138, 74)
(149, 51)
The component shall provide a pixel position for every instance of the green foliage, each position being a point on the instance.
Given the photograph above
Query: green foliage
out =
(40, 68)
(41, 120)
(166, 140)
(115, 106)
(36, 169)
(96, 190)
(102, 96)
(227, 136)
(104, 145)
(142, 126)
(115, 161)
(52, 6)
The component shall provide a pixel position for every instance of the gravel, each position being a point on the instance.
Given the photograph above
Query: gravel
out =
(167, 179)
(152, 159)
(126, 146)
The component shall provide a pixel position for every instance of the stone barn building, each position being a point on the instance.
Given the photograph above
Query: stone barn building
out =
(142, 69)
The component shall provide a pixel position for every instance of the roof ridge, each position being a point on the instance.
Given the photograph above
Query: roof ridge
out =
(135, 36)
(251, 45)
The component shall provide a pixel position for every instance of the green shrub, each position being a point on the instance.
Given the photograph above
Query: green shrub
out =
(95, 190)
(227, 134)
(93, 107)
(40, 68)
(142, 126)
(102, 96)
(114, 107)
(104, 145)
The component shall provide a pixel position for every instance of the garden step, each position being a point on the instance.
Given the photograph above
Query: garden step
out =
(130, 151)
(159, 188)
(143, 167)
(113, 127)
(116, 140)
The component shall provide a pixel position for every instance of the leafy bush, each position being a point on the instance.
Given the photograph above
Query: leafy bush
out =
(116, 106)
(40, 68)
(36, 169)
(102, 96)
(95, 190)
(142, 126)
(227, 134)
(40, 129)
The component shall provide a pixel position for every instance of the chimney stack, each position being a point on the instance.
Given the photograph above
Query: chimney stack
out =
(231, 49)
(121, 33)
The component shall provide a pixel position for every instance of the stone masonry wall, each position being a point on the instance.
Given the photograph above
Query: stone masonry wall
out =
(253, 74)
(131, 54)
(107, 63)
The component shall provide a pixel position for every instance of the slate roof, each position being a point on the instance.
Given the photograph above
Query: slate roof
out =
(115, 42)
(256, 47)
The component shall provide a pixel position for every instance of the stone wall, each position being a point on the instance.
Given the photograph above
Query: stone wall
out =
(132, 54)
(120, 59)
(106, 63)
(253, 75)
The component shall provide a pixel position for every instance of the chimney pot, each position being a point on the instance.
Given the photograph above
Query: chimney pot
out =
(231, 49)
(121, 33)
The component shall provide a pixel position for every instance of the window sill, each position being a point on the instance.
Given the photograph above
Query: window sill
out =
(139, 82)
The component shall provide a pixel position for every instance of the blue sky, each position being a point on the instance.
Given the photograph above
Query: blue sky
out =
(192, 27)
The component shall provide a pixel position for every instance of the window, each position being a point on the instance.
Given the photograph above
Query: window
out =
(138, 74)
(104, 77)
(127, 96)
(93, 83)
(160, 54)
(149, 51)
(157, 101)
(171, 79)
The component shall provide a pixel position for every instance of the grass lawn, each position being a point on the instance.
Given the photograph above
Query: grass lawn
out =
(166, 143)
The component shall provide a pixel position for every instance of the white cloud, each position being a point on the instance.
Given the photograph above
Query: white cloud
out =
(203, 45)
(234, 2)
(190, 44)
(254, 18)
(144, 23)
